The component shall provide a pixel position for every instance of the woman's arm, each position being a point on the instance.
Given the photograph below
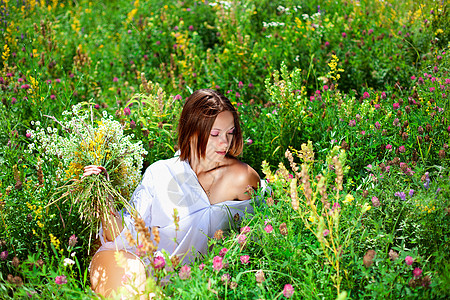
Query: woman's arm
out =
(112, 223)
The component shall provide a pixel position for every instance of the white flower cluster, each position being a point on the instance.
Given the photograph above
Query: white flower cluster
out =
(287, 10)
(68, 262)
(273, 24)
(80, 141)
(225, 4)
(312, 17)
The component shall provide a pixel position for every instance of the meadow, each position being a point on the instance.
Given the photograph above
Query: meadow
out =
(345, 113)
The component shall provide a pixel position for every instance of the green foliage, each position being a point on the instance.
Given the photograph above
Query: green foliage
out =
(364, 81)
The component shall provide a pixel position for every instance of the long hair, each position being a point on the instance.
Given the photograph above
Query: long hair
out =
(197, 118)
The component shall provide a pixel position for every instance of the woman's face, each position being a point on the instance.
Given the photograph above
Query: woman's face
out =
(220, 137)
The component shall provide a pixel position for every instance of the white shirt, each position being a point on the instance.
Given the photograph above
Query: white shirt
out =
(169, 184)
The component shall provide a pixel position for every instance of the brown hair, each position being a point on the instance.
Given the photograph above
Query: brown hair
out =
(197, 118)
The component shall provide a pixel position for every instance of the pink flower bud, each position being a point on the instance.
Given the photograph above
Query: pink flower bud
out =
(409, 260)
(288, 291)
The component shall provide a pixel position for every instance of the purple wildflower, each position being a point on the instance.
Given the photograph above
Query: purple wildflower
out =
(288, 291)
(375, 201)
(401, 195)
(409, 260)
(245, 259)
(223, 252)
(73, 240)
(159, 262)
(61, 279)
(217, 263)
(185, 272)
(4, 255)
(245, 229)
(417, 272)
(268, 228)
(426, 185)
(242, 240)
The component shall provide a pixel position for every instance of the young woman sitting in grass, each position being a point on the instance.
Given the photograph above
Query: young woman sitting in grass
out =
(205, 183)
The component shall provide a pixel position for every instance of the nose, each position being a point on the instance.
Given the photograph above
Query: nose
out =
(224, 140)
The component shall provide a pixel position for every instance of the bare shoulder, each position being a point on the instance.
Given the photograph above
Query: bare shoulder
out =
(241, 176)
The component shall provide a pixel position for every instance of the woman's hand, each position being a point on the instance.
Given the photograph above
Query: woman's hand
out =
(94, 170)
(111, 223)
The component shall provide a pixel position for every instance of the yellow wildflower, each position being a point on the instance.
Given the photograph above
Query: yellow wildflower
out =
(55, 242)
(5, 53)
(349, 198)
(366, 207)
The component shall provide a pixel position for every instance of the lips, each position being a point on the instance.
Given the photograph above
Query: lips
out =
(221, 152)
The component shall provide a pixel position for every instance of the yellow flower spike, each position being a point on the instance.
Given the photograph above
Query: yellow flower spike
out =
(349, 198)
(366, 207)
(5, 53)
(55, 242)
(312, 219)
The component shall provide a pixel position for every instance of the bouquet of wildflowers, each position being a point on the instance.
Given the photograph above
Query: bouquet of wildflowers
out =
(79, 140)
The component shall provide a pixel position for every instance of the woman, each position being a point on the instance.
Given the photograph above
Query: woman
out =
(205, 183)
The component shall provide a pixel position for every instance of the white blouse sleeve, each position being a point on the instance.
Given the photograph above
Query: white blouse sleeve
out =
(141, 200)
